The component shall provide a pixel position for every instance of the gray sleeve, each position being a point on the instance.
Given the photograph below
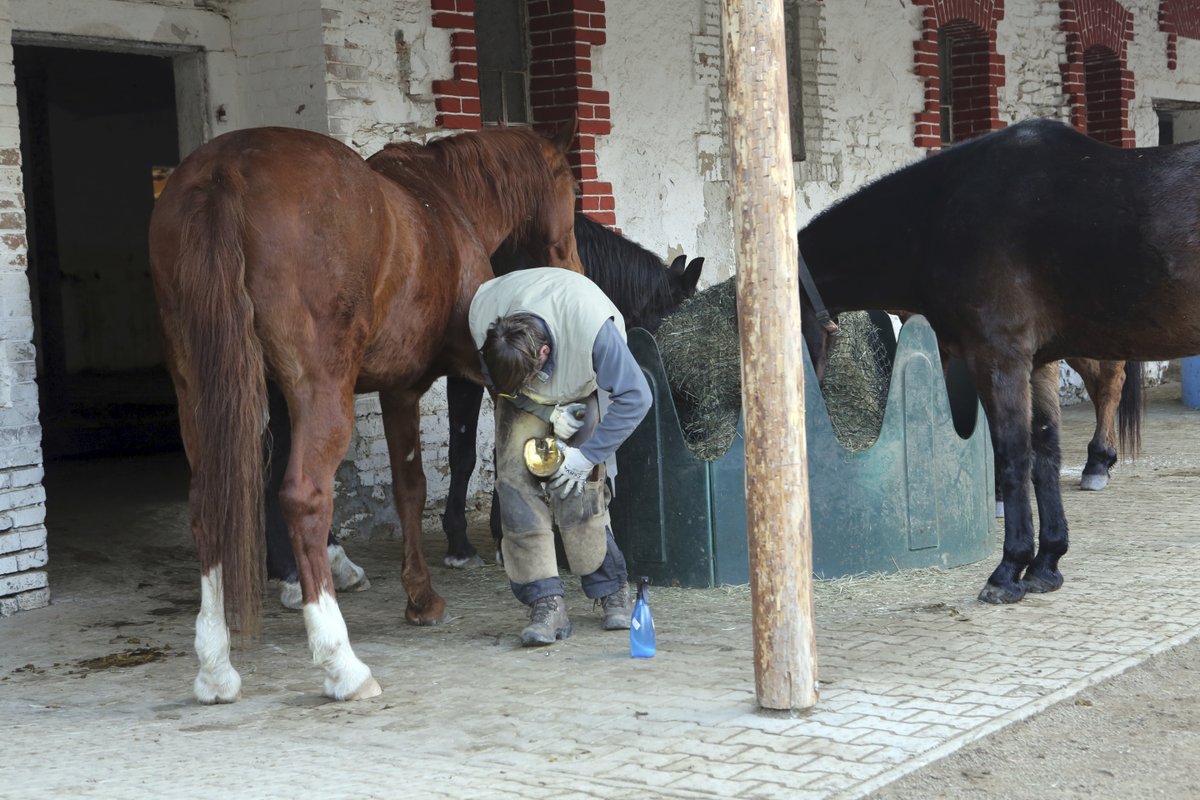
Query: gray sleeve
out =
(618, 373)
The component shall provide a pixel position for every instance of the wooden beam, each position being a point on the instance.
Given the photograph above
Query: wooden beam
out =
(777, 512)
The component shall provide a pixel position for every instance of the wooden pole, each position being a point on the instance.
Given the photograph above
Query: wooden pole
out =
(777, 514)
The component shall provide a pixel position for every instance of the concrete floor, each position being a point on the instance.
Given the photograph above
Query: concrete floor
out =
(912, 666)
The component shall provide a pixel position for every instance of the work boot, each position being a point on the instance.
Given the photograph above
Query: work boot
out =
(617, 608)
(547, 621)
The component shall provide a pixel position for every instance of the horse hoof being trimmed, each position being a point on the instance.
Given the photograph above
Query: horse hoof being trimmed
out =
(1093, 483)
(1000, 595)
(457, 562)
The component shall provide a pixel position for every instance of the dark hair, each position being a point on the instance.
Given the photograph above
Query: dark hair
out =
(510, 351)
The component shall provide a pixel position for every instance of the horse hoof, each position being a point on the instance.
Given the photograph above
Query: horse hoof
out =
(436, 614)
(211, 690)
(455, 562)
(361, 585)
(368, 689)
(1001, 595)
(1041, 583)
(347, 576)
(1093, 483)
(290, 595)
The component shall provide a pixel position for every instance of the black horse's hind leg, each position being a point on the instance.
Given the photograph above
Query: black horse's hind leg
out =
(464, 399)
(494, 524)
(1043, 574)
(281, 561)
(281, 558)
(1006, 398)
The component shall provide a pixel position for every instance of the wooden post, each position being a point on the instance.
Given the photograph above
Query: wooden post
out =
(777, 514)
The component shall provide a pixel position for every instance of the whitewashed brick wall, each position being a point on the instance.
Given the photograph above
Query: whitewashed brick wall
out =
(281, 62)
(23, 555)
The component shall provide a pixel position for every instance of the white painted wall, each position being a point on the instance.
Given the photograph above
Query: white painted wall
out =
(661, 67)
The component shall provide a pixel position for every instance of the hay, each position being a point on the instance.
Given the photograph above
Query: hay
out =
(701, 355)
(856, 381)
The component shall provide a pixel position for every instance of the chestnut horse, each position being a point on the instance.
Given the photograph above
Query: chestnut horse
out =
(279, 253)
(1022, 247)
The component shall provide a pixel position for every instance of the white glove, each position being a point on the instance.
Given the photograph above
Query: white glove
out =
(567, 419)
(573, 472)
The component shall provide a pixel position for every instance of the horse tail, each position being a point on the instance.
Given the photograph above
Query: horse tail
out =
(221, 361)
(1132, 409)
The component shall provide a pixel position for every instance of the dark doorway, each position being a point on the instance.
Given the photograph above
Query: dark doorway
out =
(94, 126)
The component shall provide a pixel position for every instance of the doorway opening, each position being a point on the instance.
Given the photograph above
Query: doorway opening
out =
(96, 127)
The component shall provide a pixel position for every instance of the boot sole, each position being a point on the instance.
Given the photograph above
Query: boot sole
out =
(533, 640)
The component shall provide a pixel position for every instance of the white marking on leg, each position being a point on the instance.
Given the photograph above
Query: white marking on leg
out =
(347, 576)
(346, 678)
(411, 455)
(217, 681)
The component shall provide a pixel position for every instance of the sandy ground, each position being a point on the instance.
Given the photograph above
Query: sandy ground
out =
(95, 690)
(1134, 736)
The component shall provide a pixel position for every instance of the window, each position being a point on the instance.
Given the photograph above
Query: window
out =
(503, 53)
(946, 85)
(791, 40)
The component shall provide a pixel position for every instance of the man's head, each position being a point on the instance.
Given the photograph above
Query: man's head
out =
(514, 349)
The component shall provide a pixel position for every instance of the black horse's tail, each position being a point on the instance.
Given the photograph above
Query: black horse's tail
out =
(1132, 409)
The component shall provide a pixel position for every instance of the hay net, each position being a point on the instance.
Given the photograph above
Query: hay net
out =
(701, 355)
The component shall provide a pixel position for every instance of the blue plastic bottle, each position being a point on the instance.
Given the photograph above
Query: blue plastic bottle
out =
(641, 624)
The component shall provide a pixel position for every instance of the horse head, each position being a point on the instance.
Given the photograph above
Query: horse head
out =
(551, 238)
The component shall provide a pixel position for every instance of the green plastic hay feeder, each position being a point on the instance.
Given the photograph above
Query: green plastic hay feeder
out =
(921, 496)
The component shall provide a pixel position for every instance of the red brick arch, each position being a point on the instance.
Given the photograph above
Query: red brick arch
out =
(977, 67)
(1097, 80)
(1178, 18)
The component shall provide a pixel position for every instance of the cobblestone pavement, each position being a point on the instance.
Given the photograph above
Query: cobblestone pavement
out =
(912, 666)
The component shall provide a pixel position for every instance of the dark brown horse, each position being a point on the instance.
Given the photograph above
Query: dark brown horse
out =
(1022, 247)
(279, 253)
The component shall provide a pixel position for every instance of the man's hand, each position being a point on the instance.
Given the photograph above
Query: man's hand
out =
(567, 420)
(572, 473)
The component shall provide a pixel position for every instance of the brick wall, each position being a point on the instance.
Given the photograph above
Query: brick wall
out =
(23, 555)
(281, 62)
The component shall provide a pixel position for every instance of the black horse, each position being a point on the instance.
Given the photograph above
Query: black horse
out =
(640, 286)
(1022, 247)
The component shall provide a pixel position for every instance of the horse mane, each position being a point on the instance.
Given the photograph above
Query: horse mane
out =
(635, 279)
(505, 166)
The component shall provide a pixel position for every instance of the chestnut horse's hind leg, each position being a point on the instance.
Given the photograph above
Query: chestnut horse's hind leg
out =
(1104, 381)
(217, 681)
(1043, 574)
(402, 426)
(322, 417)
(1006, 397)
(464, 398)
